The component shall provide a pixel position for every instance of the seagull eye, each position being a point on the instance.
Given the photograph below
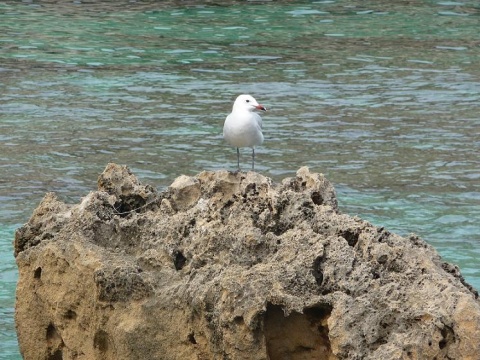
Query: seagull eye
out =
(247, 100)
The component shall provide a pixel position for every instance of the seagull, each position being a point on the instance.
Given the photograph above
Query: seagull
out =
(243, 127)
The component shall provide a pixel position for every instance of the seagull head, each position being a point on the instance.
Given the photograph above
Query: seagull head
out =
(247, 102)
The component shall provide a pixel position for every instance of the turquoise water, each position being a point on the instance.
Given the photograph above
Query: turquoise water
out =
(8, 279)
(382, 98)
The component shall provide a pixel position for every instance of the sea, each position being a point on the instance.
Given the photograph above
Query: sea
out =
(383, 97)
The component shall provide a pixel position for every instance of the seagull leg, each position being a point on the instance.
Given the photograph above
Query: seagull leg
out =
(253, 159)
(238, 159)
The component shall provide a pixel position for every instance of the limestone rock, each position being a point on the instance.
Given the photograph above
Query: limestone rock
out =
(231, 266)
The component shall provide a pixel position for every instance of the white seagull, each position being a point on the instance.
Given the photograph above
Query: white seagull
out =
(243, 127)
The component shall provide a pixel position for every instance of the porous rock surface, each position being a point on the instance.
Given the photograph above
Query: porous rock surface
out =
(231, 266)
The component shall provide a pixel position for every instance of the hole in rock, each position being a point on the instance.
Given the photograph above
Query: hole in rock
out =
(179, 260)
(54, 343)
(317, 270)
(350, 236)
(442, 343)
(52, 334)
(57, 355)
(70, 315)
(298, 336)
(128, 204)
(251, 189)
(448, 337)
(238, 320)
(191, 338)
(100, 340)
(317, 198)
(38, 273)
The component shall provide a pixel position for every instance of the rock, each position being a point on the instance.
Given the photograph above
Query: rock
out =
(231, 266)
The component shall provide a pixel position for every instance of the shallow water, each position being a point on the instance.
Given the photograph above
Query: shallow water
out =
(382, 98)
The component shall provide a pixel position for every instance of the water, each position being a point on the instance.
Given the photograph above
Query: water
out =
(382, 98)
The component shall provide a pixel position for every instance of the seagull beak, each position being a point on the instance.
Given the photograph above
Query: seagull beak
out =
(261, 107)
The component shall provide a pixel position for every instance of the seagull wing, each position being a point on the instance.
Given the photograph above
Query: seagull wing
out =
(259, 121)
